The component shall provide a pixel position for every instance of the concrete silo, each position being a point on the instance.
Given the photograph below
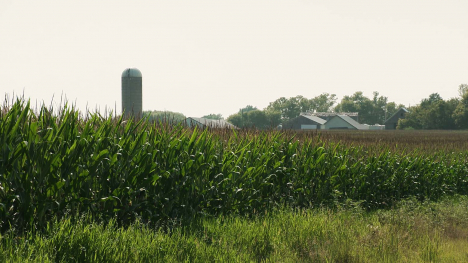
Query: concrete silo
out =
(132, 93)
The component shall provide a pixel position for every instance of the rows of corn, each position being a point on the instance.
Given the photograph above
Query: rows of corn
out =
(55, 165)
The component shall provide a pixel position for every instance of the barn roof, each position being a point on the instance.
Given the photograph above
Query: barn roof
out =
(315, 118)
(396, 113)
(351, 121)
(330, 114)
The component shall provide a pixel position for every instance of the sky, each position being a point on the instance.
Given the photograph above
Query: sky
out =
(210, 56)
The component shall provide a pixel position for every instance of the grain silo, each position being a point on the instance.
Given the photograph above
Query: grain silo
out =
(132, 93)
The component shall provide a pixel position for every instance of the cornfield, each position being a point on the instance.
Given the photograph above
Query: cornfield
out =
(58, 164)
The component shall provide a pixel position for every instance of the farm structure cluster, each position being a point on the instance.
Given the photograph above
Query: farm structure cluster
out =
(340, 120)
(132, 105)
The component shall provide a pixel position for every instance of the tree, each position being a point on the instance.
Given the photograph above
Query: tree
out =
(247, 109)
(432, 113)
(294, 106)
(273, 117)
(357, 103)
(240, 119)
(213, 116)
(289, 108)
(236, 120)
(323, 102)
(460, 114)
(257, 119)
(462, 90)
(371, 111)
(433, 98)
(252, 117)
(165, 116)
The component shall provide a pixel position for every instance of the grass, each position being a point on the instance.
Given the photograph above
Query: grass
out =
(410, 232)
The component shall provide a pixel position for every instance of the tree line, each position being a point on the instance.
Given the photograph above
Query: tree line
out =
(431, 113)
(371, 110)
(436, 113)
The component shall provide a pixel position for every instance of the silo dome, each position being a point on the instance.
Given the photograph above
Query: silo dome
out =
(131, 73)
(132, 93)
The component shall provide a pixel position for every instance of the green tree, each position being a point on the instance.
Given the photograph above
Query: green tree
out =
(165, 116)
(240, 119)
(247, 109)
(371, 111)
(213, 116)
(358, 103)
(289, 108)
(412, 119)
(323, 102)
(294, 106)
(432, 113)
(257, 119)
(460, 114)
(251, 117)
(273, 117)
(462, 90)
(236, 120)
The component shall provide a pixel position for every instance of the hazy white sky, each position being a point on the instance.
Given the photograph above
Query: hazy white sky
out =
(216, 56)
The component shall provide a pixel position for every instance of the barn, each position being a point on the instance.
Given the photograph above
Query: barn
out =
(343, 122)
(328, 115)
(392, 122)
(305, 122)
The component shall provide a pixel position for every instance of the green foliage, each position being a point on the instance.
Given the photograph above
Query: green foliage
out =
(371, 111)
(460, 114)
(164, 116)
(462, 90)
(236, 119)
(251, 117)
(410, 232)
(434, 113)
(241, 120)
(294, 106)
(247, 108)
(323, 102)
(213, 116)
(52, 165)
(273, 118)
(256, 118)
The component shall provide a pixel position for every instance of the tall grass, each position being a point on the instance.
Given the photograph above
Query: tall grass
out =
(411, 232)
(58, 164)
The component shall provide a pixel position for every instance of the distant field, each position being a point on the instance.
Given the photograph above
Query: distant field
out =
(428, 141)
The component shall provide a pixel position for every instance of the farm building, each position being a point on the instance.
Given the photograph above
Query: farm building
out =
(305, 122)
(374, 127)
(208, 123)
(344, 122)
(328, 115)
(392, 122)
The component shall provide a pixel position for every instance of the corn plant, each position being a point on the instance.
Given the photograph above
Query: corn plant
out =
(58, 164)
